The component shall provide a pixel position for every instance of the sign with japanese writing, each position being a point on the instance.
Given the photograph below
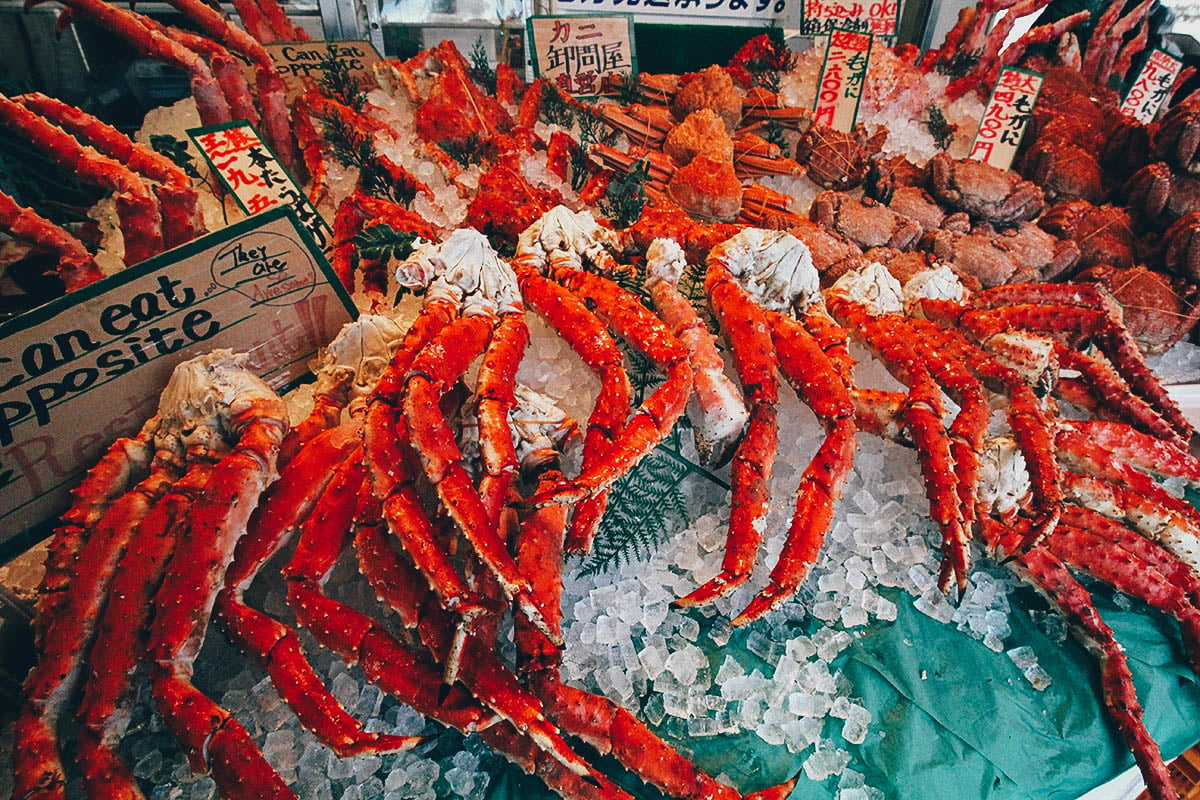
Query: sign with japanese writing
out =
(582, 55)
(842, 77)
(876, 17)
(249, 170)
(297, 61)
(87, 369)
(688, 12)
(1006, 116)
(1150, 89)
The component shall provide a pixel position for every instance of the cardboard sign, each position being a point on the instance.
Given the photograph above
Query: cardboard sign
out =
(582, 55)
(1006, 117)
(86, 369)
(686, 12)
(253, 175)
(1151, 87)
(842, 77)
(298, 62)
(822, 17)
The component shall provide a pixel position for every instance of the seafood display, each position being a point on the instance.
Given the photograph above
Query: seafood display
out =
(705, 256)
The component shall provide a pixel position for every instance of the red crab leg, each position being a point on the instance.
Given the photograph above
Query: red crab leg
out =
(267, 21)
(76, 266)
(654, 418)
(590, 340)
(1048, 575)
(352, 214)
(749, 337)
(37, 770)
(210, 101)
(1109, 389)
(176, 197)
(817, 383)
(183, 604)
(1137, 448)
(274, 646)
(310, 144)
(125, 462)
(121, 637)
(330, 396)
(1124, 567)
(1178, 532)
(921, 415)
(137, 209)
(271, 92)
(494, 388)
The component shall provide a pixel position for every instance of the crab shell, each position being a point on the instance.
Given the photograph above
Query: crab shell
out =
(1155, 311)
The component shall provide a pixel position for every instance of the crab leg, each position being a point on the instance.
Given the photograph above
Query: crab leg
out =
(176, 197)
(590, 340)
(1048, 575)
(137, 208)
(351, 218)
(817, 383)
(37, 770)
(496, 400)
(717, 409)
(210, 101)
(76, 266)
(1109, 389)
(184, 601)
(749, 337)
(1139, 449)
(120, 638)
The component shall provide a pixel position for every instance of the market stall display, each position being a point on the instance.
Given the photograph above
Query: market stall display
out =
(901, 315)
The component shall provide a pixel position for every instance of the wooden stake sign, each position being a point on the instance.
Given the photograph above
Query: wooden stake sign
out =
(1007, 114)
(1150, 89)
(842, 77)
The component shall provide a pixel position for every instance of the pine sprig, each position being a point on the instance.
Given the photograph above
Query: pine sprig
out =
(625, 196)
(644, 507)
(338, 82)
(465, 152)
(355, 148)
(480, 70)
(939, 127)
(384, 243)
(555, 110)
(591, 131)
(175, 150)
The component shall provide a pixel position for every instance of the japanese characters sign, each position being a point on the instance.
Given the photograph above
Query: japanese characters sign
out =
(582, 55)
(252, 174)
(842, 77)
(876, 17)
(690, 12)
(86, 369)
(297, 61)
(1006, 116)
(1151, 87)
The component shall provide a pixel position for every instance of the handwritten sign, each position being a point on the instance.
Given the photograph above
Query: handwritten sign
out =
(86, 369)
(688, 12)
(822, 17)
(1006, 116)
(842, 77)
(249, 170)
(1150, 89)
(582, 55)
(298, 62)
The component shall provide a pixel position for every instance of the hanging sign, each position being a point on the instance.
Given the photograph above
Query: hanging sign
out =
(876, 17)
(249, 170)
(686, 12)
(1151, 87)
(1006, 117)
(86, 369)
(842, 77)
(582, 55)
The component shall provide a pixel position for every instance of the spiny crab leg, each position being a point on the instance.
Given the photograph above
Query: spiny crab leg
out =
(137, 209)
(256, 421)
(716, 409)
(177, 199)
(210, 101)
(1107, 393)
(1134, 447)
(558, 243)
(1050, 577)
(37, 768)
(76, 266)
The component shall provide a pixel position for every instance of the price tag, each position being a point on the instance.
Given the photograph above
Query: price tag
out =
(86, 369)
(688, 12)
(878, 18)
(253, 175)
(582, 55)
(1151, 87)
(1006, 117)
(842, 76)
